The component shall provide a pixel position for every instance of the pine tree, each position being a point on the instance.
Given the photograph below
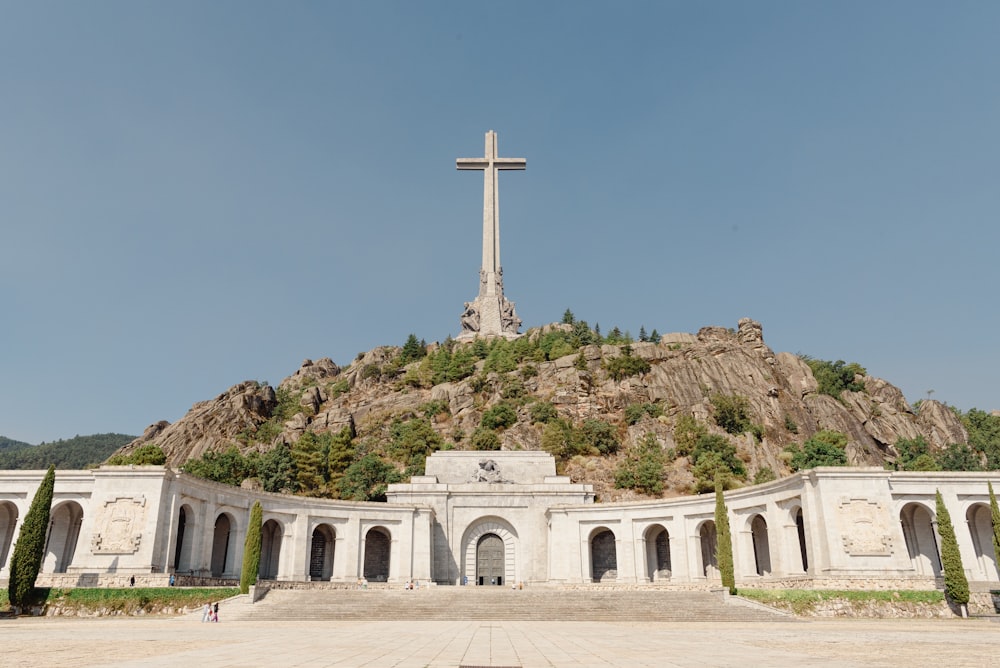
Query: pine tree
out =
(251, 549)
(568, 317)
(412, 349)
(642, 333)
(654, 336)
(995, 513)
(724, 540)
(956, 586)
(29, 550)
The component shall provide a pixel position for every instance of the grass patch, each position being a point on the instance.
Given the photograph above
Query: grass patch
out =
(802, 601)
(127, 601)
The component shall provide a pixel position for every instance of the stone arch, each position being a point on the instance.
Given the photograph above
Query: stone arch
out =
(185, 538)
(471, 540)
(270, 550)
(378, 548)
(800, 530)
(8, 524)
(709, 542)
(658, 563)
(321, 550)
(603, 555)
(223, 545)
(761, 545)
(64, 532)
(980, 521)
(921, 543)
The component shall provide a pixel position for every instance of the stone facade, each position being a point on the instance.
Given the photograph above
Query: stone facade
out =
(504, 518)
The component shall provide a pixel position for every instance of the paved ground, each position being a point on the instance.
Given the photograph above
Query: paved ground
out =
(185, 641)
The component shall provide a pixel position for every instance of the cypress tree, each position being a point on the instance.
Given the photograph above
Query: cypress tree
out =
(724, 540)
(251, 549)
(30, 548)
(995, 513)
(956, 586)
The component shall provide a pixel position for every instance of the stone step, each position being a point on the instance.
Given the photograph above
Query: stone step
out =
(480, 603)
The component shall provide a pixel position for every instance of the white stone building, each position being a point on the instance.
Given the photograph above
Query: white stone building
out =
(499, 518)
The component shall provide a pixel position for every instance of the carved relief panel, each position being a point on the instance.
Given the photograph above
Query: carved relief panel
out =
(119, 526)
(865, 531)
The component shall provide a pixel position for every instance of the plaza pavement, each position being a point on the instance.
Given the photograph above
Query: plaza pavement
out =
(185, 641)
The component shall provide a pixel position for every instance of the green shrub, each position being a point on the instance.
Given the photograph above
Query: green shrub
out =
(338, 388)
(723, 448)
(732, 413)
(149, 454)
(635, 412)
(598, 435)
(435, 407)
(790, 425)
(558, 439)
(484, 438)
(642, 470)
(687, 431)
(625, 365)
(835, 377)
(543, 411)
(367, 479)
(499, 416)
(764, 474)
(826, 448)
(959, 457)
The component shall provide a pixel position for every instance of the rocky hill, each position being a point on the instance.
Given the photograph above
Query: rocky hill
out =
(524, 387)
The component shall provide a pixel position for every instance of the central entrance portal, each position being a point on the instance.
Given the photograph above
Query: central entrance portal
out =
(490, 560)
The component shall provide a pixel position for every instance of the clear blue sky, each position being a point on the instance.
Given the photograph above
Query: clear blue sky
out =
(194, 194)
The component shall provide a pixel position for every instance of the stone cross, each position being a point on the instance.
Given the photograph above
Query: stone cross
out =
(491, 313)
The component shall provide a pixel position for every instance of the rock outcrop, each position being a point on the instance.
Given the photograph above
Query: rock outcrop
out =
(685, 371)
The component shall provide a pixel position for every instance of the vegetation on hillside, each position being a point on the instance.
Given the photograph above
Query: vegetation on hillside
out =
(502, 406)
(79, 452)
(835, 377)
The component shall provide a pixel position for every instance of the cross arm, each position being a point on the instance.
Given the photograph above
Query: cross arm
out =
(471, 163)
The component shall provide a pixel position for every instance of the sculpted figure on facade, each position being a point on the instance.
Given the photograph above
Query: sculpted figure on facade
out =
(488, 471)
(470, 318)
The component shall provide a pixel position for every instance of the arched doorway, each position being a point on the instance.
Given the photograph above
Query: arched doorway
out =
(657, 553)
(64, 531)
(980, 523)
(377, 549)
(761, 545)
(800, 529)
(471, 540)
(321, 552)
(8, 524)
(270, 550)
(490, 561)
(603, 556)
(921, 544)
(709, 545)
(222, 551)
(185, 534)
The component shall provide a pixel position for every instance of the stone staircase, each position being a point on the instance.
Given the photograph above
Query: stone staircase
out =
(498, 604)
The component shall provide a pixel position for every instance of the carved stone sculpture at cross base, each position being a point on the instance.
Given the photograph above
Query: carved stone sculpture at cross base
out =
(490, 314)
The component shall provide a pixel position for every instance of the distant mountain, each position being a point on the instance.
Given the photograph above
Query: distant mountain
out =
(11, 444)
(79, 452)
